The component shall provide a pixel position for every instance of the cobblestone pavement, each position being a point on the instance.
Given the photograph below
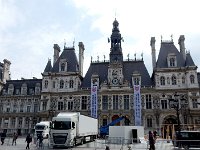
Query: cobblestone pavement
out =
(97, 145)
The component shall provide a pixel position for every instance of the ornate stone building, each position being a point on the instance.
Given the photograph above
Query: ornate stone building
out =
(64, 88)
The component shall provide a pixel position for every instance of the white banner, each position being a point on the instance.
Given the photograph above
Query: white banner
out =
(137, 105)
(93, 103)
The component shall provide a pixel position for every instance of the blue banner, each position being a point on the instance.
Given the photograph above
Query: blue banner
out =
(137, 105)
(93, 103)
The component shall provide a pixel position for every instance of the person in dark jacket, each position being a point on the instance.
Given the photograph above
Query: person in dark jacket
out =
(3, 136)
(151, 141)
(28, 140)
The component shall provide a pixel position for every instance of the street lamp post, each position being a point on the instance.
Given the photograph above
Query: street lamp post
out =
(178, 104)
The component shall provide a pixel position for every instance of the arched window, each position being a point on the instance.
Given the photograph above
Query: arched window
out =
(162, 80)
(45, 84)
(149, 122)
(62, 67)
(192, 79)
(173, 80)
(61, 84)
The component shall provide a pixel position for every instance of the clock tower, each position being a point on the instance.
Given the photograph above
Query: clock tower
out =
(115, 68)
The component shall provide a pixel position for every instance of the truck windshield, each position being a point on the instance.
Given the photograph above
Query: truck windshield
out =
(39, 127)
(61, 125)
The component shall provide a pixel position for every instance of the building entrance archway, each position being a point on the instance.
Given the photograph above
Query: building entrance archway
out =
(168, 127)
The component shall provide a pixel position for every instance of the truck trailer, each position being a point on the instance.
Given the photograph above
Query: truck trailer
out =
(70, 128)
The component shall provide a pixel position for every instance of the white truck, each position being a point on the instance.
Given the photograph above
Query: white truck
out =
(70, 128)
(42, 128)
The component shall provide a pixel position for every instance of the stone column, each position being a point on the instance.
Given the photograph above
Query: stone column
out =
(23, 122)
(16, 123)
(2, 123)
(9, 123)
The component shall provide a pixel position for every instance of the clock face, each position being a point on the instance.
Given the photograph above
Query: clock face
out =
(115, 81)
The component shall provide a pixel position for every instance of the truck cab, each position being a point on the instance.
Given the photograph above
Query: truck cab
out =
(70, 128)
(42, 128)
(62, 131)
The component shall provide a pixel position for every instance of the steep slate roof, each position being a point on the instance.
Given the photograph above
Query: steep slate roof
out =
(101, 69)
(48, 66)
(189, 60)
(31, 83)
(72, 62)
(137, 66)
(165, 49)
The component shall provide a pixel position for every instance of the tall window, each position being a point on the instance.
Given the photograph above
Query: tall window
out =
(8, 109)
(45, 84)
(44, 105)
(173, 80)
(115, 102)
(148, 102)
(172, 62)
(28, 108)
(126, 102)
(21, 108)
(105, 121)
(162, 80)
(84, 103)
(194, 103)
(15, 108)
(36, 108)
(149, 122)
(71, 84)
(104, 102)
(60, 105)
(62, 68)
(70, 105)
(192, 79)
(164, 104)
(61, 84)
(54, 84)
(183, 80)
(136, 81)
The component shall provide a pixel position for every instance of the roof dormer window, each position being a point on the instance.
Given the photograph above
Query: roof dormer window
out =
(63, 65)
(172, 62)
(171, 59)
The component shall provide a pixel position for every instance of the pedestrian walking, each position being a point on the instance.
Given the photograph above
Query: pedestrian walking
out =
(28, 140)
(3, 136)
(151, 141)
(14, 138)
(107, 148)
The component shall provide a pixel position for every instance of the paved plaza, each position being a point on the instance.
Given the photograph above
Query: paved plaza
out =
(97, 145)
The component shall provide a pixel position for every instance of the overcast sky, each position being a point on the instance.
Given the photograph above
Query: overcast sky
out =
(30, 28)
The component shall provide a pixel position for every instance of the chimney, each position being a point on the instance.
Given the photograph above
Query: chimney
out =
(56, 53)
(181, 43)
(6, 70)
(81, 57)
(153, 52)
